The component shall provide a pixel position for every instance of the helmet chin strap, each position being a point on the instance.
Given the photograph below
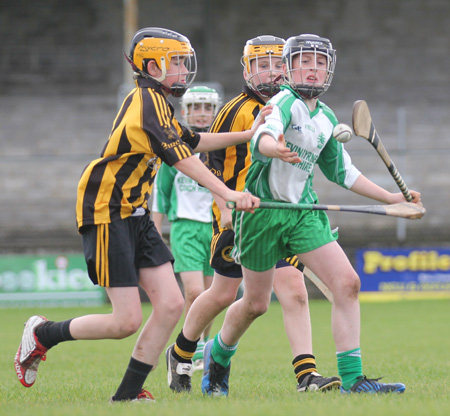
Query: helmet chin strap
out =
(267, 90)
(178, 89)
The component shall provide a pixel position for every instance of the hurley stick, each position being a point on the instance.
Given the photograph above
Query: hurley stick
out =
(403, 209)
(320, 285)
(364, 127)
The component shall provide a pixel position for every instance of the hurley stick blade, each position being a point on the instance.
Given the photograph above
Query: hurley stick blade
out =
(405, 210)
(361, 119)
(363, 126)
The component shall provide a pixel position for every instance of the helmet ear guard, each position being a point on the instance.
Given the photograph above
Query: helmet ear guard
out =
(308, 43)
(162, 46)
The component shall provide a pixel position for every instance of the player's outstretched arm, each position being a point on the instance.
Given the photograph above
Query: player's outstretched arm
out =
(215, 141)
(269, 147)
(365, 187)
(195, 169)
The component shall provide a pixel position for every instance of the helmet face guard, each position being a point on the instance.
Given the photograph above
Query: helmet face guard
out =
(166, 48)
(295, 48)
(199, 106)
(262, 50)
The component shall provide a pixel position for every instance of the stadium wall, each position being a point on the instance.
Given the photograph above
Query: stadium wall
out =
(61, 76)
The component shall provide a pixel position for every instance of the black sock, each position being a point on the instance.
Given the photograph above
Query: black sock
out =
(52, 333)
(184, 349)
(133, 380)
(304, 365)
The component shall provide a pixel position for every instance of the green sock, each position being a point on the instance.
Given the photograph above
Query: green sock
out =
(222, 352)
(349, 367)
(198, 355)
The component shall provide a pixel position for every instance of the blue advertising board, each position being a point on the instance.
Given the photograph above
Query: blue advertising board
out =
(397, 273)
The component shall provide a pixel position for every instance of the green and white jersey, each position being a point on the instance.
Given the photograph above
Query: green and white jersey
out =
(179, 196)
(310, 135)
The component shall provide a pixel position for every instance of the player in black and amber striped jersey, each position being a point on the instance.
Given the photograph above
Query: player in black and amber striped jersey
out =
(144, 133)
(262, 72)
(121, 244)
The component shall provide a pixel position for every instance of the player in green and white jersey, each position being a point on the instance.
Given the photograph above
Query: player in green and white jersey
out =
(295, 137)
(262, 72)
(188, 208)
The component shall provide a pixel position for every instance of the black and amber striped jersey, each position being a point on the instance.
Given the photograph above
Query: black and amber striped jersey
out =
(231, 164)
(144, 132)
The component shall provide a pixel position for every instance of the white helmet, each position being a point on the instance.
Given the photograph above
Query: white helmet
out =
(201, 96)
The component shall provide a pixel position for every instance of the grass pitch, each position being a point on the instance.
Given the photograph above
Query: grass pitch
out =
(407, 341)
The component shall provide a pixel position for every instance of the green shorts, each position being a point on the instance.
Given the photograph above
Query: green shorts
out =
(268, 235)
(190, 243)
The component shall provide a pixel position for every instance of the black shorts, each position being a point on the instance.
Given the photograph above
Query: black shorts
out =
(224, 264)
(115, 252)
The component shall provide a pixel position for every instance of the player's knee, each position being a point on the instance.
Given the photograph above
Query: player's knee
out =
(292, 293)
(227, 299)
(350, 285)
(192, 293)
(300, 299)
(173, 308)
(257, 308)
(128, 327)
(224, 298)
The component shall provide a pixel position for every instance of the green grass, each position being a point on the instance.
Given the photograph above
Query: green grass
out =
(406, 341)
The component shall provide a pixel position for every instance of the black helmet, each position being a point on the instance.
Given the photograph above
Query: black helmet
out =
(297, 45)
